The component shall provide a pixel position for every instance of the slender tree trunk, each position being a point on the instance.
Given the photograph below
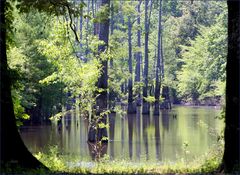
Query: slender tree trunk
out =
(111, 90)
(111, 28)
(87, 29)
(146, 106)
(158, 67)
(101, 100)
(131, 105)
(231, 158)
(162, 59)
(166, 104)
(125, 86)
(13, 152)
(76, 20)
(94, 15)
(80, 31)
(138, 55)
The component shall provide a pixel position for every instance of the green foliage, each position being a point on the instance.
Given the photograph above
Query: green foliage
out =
(32, 66)
(50, 69)
(102, 15)
(150, 99)
(70, 70)
(19, 110)
(103, 125)
(208, 163)
(52, 159)
(203, 70)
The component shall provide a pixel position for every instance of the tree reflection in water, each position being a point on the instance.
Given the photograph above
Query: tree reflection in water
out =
(136, 137)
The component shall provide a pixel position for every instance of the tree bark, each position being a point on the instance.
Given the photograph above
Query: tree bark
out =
(158, 67)
(87, 29)
(112, 94)
(112, 28)
(13, 152)
(101, 100)
(146, 107)
(94, 14)
(131, 106)
(231, 157)
(162, 60)
(138, 55)
(80, 31)
(166, 104)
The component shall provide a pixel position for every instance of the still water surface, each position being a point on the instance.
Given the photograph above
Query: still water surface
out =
(134, 137)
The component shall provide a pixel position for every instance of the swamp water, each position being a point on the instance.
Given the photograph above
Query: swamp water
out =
(184, 132)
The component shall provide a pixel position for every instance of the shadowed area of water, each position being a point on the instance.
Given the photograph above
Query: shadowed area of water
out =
(134, 137)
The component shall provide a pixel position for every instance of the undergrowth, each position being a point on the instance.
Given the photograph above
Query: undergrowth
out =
(207, 163)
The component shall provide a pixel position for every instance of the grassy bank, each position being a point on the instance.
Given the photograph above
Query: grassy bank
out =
(207, 163)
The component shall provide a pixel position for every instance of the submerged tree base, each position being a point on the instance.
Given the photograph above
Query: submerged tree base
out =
(132, 108)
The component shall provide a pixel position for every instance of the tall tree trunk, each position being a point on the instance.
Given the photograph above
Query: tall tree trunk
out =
(80, 31)
(101, 100)
(146, 106)
(13, 152)
(231, 158)
(158, 67)
(87, 29)
(76, 20)
(111, 27)
(131, 105)
(138, 55)
(166, 104)
(111, 90)
(162, 60)
(94, 15)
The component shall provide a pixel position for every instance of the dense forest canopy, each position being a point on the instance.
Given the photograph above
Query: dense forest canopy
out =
(97, 55)
(54, 59)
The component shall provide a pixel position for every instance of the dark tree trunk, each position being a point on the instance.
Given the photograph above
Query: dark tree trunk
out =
(112, 94)
(94, 15)
(231, 158)
(87, 29)
(101, 100)
(111, 28)
(146, 107)
(158, 68)
(131, 104)
(13, 151)
(166, 104)
(138, 55)
(162, 60)
(125, 86)
(80, 30)
(122, 87)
